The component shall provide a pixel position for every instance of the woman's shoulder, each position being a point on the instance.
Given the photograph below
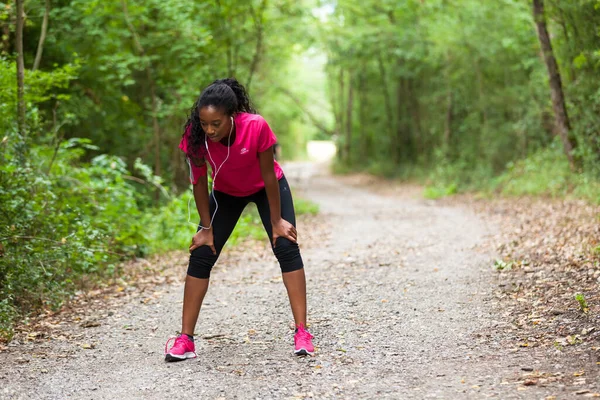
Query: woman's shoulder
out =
(250, 119)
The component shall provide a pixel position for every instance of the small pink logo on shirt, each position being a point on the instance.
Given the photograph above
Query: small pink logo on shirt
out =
(243, 150)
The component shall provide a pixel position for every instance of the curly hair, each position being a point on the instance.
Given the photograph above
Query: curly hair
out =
(226, 94)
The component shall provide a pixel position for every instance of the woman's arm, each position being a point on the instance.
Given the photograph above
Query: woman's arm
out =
(280, 226)
(267, 170)
(203, 236)
(201, 198)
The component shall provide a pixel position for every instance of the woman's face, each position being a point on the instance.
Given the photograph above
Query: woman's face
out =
(215, 123)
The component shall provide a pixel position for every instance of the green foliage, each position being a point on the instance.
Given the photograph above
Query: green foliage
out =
(546, 173)
(145, 59)
(501, 265)
(62, 229)
(436, 192)
(248, 226)
(302, 206)
(459, 91)
(583, 306)
(42, 86)
(168, 228)
(173, 225)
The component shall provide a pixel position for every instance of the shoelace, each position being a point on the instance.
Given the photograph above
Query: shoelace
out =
(304, 334)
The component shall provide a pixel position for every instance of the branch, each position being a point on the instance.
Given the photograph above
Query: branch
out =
(310, 116)
(136, 39)
(40, 49)
(30, 238)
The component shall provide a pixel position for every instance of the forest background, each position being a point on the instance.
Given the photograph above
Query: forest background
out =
(498, 97)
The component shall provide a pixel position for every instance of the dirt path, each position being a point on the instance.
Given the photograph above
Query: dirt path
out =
(400, 305)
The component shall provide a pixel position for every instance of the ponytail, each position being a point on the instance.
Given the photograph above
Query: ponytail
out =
(243, 100)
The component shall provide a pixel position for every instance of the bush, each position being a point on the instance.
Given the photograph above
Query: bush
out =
(547, 173)
(63, 224)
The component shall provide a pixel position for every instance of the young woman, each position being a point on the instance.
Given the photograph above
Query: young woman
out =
(226, 132)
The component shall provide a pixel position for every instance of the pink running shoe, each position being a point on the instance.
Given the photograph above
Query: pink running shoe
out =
(302, 342)
(182, 349)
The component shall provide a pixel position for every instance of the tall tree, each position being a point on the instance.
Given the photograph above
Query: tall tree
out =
(152, 85)
(258, 17)
(21, 123)
(561, 117)
(349, 117)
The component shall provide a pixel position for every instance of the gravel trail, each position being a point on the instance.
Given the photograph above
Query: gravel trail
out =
(398, 291)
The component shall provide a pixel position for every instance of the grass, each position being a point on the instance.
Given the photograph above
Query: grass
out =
(547, 173)
(583, 305)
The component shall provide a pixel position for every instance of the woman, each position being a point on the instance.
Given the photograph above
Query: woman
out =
(225, 131)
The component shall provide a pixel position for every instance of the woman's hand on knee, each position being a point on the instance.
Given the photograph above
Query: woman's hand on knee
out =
(204, 237)
(283, 228)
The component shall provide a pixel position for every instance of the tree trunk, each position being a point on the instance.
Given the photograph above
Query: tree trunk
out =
(415, 117)
(152, 86)
(230, 55)
(40, 48)
(236, 53)
(365, 137)
(258, 23)
(448, 121)
(483, 132)
(404, 143)
(349, 109)
(21, 122)
(386, 96)
(340, 119)
(561, 117)
(5, 40)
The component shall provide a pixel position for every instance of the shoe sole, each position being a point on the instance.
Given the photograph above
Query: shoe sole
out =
(303, 352)
(172, 358)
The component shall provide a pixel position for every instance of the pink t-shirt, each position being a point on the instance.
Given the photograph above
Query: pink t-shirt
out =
(240, 175)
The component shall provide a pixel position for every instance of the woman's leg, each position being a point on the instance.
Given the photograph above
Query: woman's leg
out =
(193, 296)
(287, 252)
(295, 284)
(202, 259)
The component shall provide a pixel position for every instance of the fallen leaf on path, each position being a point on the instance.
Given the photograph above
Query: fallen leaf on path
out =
(90, 324)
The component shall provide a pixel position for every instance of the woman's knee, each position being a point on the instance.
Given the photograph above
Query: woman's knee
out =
(201, 262)
(288, 255)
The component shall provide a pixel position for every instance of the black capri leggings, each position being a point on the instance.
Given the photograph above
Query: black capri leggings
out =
(202, 259)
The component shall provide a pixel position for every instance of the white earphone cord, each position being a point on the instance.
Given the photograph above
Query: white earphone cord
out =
(216, 171)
